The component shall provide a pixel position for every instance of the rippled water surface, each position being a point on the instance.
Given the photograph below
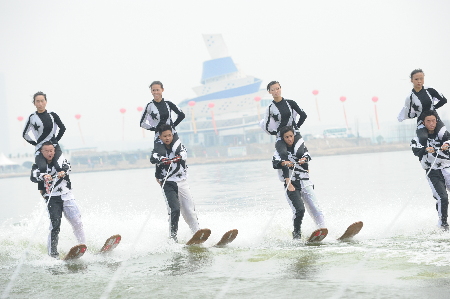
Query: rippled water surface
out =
(399, 253)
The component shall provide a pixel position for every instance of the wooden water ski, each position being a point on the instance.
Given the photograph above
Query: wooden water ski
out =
(351, 231)
(75, 252)
(199, 237)
(318, 235)
(227, 238)
(111, 243)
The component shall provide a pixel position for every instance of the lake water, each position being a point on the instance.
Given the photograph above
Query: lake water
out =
(399, 253)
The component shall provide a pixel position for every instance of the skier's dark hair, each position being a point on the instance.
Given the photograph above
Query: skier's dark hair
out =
(47, 143)
(39, 93)
(415, 72)
(429, 113)
(286, 129)
(156, 83)
(164, 127)
(272, 83)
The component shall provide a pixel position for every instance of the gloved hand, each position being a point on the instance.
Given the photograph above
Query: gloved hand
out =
(176, 159)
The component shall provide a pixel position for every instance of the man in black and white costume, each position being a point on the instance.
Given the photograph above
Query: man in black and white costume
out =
(171, 175)
(159, 112)
(60, 196)
(300, 189)
(435, 159)
(281, 112)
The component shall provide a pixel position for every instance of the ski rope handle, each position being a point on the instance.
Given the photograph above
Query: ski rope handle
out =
(47, 185)
(48, 189)
(293, 170)
(168, 170)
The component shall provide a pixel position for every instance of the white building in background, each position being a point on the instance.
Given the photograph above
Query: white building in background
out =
(228, 106)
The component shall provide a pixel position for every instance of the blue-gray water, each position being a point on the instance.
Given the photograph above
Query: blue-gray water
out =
(398, 254)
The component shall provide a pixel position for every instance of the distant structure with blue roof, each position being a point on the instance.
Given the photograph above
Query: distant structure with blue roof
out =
(228, 105)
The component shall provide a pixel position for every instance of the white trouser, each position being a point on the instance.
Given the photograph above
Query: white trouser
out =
(73, 215)
(187, 206)
(179, 201)
(312, 206)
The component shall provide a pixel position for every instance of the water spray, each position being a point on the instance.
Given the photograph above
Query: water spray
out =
(122, 266)
(340, 293)
(14, 276)
(227, 285)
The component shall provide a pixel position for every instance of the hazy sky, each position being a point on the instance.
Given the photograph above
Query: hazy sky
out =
(95, 57)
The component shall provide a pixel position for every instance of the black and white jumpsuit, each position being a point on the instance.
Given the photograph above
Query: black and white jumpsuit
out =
(44, 126)
(156, 114)
(437, 165)
(278, 115)
(177, 193)
(416, 103)
(304, 194)
(61, 201)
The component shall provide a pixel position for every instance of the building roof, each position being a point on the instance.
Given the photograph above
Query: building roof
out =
(218, 67)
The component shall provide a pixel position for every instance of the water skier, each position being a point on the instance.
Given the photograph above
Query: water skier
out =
(281, 112)
(420, 100)
(43, 125)
(300, 189)
(171, 175)
(61, 197)
(159, 112)
(435, 159)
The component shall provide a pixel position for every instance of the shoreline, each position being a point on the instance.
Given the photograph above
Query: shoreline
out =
(263, 153)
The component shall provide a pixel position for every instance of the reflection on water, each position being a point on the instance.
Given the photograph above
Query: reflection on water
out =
(69, 267)
(305, 266)
(111, 265)
(190, 259)
(315, 244)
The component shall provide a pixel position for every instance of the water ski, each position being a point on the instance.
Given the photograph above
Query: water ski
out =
(75, 252)
(199, 237)
(111, 243)
(318, 235)
(227, 238)
(352, 230)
